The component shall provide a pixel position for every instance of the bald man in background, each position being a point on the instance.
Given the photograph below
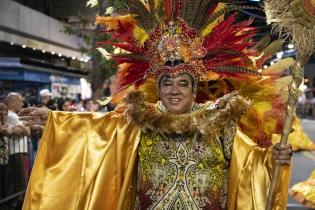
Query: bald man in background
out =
(17, 173)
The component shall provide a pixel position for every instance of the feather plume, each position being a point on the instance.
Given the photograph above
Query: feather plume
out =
(300, 30)
(262, 43)
(117, 22)
(140, 36)
(207, 29)
(272, 48)
(168, 9)
(144, 18)
(279, 67)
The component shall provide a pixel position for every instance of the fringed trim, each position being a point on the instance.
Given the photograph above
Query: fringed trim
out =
(209, 120)
(280, 13)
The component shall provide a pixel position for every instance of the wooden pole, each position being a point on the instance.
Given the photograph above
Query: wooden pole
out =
(297, 77)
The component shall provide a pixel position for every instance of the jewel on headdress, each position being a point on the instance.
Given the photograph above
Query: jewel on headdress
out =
(169, 45)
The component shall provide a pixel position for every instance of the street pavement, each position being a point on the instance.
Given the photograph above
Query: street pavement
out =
(303, 164)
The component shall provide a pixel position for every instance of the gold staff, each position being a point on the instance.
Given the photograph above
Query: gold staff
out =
(294, 19)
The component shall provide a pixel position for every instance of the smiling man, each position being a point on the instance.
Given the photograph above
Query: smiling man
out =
(161, 155)
(177, 94)
(181, 151)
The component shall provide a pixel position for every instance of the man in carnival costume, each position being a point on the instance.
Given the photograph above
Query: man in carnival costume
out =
(184, 151)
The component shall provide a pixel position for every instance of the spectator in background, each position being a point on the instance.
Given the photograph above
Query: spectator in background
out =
(65, 105)
(4, 149)
(90, 106)
(78, 104)
(300, 106)
(45, 99)
(2, 98)
(107, 92)
(17, 174)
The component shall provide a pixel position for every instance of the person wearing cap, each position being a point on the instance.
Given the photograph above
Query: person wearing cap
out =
(44, 97)
(45, 101)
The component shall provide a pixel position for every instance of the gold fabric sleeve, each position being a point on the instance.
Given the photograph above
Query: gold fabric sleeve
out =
(250, 176)
(86, 162)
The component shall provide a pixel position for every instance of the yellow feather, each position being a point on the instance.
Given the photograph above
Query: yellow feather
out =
(214, 23)
(157, 5)
(103, 51)
(112, 23)
(254, 59)
(104, 102)
(140, 35)
(279, 67)
(283, 81)
(149, 89)
(273, 47)
(262, 43)
(145, 3)
(269, 125)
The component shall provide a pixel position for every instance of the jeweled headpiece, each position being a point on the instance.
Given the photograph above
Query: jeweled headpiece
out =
(155, 34)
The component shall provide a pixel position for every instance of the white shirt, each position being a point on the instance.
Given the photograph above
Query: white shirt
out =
(17, 144)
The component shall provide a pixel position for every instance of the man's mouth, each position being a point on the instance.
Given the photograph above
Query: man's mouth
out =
(174, 101)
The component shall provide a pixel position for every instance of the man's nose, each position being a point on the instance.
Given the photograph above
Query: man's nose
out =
(174, 90)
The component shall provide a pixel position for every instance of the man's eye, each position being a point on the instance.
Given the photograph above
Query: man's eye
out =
(183, 84)
(167, 84)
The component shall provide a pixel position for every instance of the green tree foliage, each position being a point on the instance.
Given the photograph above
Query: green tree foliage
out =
(102, 68)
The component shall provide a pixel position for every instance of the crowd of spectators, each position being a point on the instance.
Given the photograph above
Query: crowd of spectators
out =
(306, 104)
(19, 143)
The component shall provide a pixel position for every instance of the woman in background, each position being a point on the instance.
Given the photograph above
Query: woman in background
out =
(65, 105)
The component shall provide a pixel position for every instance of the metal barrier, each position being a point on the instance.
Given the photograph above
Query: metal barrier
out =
(14, 201)
(14, 175)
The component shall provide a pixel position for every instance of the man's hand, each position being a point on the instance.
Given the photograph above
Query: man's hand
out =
(18, 130)
(33, 116)
(37, 128)
(5, 130)
(282, 153)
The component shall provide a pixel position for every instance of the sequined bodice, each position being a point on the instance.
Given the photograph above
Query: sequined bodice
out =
(183, 172)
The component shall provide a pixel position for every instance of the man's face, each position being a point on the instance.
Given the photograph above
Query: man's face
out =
(16, 104)
(177, 93)
(44, 99)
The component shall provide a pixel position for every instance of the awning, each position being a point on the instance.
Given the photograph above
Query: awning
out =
(13, 69)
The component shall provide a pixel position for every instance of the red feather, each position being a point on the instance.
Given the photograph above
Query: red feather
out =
(133, 74)
(168, 4)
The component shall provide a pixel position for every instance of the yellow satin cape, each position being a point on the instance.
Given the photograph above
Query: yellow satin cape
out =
(298, 138)
(88, 162)
(304, 192)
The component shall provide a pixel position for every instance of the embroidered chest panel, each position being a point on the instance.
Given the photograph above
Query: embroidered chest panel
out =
(181, 172)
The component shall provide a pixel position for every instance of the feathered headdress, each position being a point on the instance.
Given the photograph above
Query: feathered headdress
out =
(155, 35)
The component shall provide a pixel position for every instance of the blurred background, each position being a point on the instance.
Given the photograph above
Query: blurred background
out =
(48, 57)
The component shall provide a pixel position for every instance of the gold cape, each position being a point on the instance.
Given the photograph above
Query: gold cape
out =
(304, 192)
(87, 162)
(298, 139)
